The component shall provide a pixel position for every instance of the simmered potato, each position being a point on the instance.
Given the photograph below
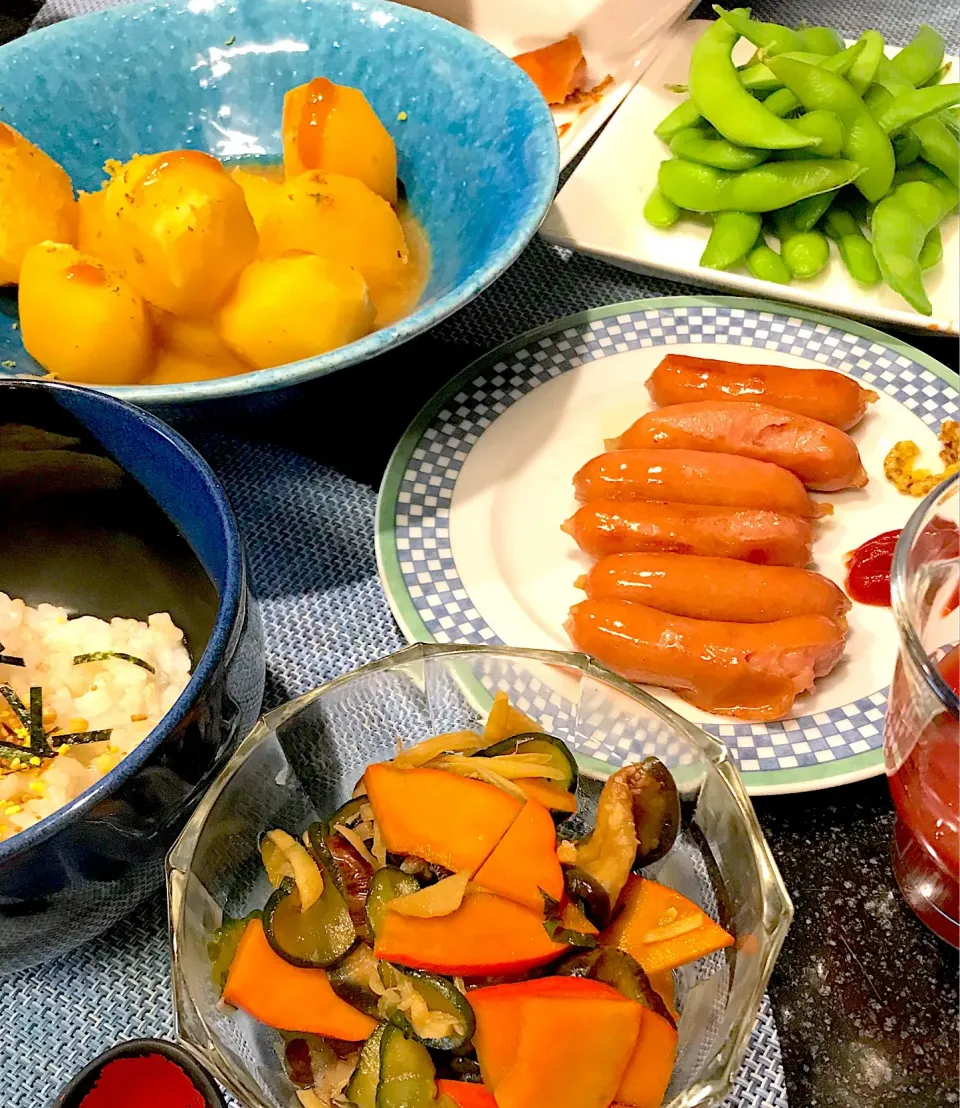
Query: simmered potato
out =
(285, 309)
(190, 350)
(258, 191)
(338, 218)
(80, 319)
(332, 127)
(96, 234)
(183, 229)
(36, 202)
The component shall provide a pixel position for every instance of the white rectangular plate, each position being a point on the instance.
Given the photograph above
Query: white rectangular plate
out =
(620, 38)
(600, 211)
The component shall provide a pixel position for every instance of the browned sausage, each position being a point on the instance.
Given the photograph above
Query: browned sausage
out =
(822, 457)
(819, 393)
(748, 534)
(694, 477)
(748, 670)
(715, 588)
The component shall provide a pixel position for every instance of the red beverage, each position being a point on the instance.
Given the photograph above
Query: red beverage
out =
(926, 794)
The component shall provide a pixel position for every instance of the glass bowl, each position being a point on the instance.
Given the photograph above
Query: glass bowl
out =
(303, 759)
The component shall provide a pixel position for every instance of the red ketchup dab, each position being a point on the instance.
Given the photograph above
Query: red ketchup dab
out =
(868, 570)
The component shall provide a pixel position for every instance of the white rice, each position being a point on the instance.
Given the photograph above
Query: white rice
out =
(112, 694)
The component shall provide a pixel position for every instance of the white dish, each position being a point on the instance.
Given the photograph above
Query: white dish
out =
(620, 38)
(469, 541)
(600, 212)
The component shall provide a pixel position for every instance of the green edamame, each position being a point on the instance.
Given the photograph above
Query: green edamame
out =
(826, 128)
(707, 148)
(759, 77)
(906, 148)
(732, 236)
(865, 143)
(771, 37)
(952, 119)
(821, 40)
(922, 171)
(921, 57)
(911, 107)
(806, 213)
(659, 211)
(900, 225)
(937, 144)
(766, 264)
(856, 253)
(804, 253)
(716, 90)
(863, 70)
(938, 77)
(783, 101)
(931, 253)
(683, 115)
(701, 188)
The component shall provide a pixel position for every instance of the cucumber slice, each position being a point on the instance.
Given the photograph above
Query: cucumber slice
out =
(223, 946)
(350, 979)
(387, 884)
(315, 938)
(362, 1087)
(538, 742)
(441, 996)
(407, 1076)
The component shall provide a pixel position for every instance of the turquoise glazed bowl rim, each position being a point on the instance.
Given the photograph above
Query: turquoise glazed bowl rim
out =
(230, 601)
(539, 186)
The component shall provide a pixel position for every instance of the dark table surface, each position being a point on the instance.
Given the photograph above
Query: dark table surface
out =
(865, 998)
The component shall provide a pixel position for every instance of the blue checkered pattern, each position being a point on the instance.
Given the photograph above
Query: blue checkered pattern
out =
(423, 504)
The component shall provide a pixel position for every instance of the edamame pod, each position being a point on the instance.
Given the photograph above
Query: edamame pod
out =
(866, 144)
(733, 234)
(856, 253)
(937, 144)
(921, 57)
(804, 253)
(917, 104)
(759, 78)
(683, 115)
(783, 101)
(716, 90)
(766, 264)
(900, 225)
(906, 148)
(864, 69)
(824, 126)
(706, 147)
(773, 38)
(821, 40)
(806, 213)
(659, 211)
(931, 253)
(701, 188)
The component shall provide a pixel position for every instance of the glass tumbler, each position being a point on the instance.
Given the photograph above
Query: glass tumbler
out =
(921, 740)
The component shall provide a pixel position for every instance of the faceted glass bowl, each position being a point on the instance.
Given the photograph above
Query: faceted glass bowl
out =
(302, 760)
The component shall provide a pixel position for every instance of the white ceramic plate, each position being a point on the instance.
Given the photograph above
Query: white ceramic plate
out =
(469, 540)
(620, 38)
(600, 211)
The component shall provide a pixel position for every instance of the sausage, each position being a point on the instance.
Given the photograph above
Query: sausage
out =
(750, 535)
(749, 670)
(821, 394)
(820, 455)
(694, 477)
(715, 588)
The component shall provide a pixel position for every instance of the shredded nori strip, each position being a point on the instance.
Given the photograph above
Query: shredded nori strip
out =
(17, 706)
(79, 738)
(103, 655)
(9, 660)
(9, 752)
(38, 740)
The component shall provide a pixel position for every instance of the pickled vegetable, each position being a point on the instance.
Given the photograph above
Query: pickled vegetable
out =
(429, 1007)
(310, 937)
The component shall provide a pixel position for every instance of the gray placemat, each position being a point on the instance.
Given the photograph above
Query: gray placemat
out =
(309, 535)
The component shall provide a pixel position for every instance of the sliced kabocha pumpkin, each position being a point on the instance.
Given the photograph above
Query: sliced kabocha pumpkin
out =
(466, 1094)
(647, 1075)
(441, 817)
(223, 946)
(486, 936)
(661, 928)
(524, 864)
(428, 1007)
(288, 997)
(619, 970)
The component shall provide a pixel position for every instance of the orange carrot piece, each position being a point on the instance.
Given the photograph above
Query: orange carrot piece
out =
(525, 860)
(661, 928)
(498, 1010)
(287, 997)
(571, 1053)
(485, 936)
(465, 1095)
(557, 69)
(438, 816)
(648, 1072)
(549, 795)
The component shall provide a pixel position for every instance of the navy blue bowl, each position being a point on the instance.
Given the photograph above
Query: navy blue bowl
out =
(476, 144)
(108, 512)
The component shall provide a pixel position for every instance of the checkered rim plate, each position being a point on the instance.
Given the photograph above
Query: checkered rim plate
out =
(842, 743)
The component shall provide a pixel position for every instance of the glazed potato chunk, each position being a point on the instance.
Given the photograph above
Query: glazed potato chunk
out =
(80, 319)
(36, 202)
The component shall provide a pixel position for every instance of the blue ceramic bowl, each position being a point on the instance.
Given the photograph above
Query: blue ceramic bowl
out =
(477, 149)
(108, 512)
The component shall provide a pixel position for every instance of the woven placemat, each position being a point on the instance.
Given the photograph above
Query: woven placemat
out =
(309, 536)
